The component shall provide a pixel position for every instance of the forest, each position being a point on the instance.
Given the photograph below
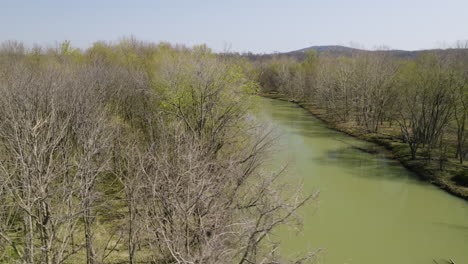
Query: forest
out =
(415, 107)
(135, 153)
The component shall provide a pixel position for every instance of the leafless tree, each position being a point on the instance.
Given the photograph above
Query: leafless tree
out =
(428, 104)
(376, 91)
(34, 164)
(461, 98)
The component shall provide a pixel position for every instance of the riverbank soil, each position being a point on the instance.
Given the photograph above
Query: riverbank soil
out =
(453, 178)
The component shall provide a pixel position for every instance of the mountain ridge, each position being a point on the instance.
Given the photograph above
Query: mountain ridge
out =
(343, 50)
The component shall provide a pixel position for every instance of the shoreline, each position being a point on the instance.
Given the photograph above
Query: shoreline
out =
(423, 172)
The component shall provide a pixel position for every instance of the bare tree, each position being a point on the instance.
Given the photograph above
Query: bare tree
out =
(336, 89)
(376, 91)
(428, 104)
(461, 99)
(34, 164)
(129, 165)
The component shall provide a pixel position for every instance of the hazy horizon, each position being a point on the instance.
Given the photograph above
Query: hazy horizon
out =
(241, 26)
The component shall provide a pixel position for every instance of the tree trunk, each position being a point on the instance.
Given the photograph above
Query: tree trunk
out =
(90, 254)
(29, 236)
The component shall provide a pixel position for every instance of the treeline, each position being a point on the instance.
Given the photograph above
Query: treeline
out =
(134, 153)
(423, 102)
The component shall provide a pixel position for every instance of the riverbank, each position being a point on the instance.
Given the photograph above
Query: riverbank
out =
(452, 179)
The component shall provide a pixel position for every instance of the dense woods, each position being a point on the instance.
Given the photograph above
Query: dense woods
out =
(136, 153)
(416, 107)
(147, 153)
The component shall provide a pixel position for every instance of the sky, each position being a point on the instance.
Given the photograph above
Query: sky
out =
(260, 26)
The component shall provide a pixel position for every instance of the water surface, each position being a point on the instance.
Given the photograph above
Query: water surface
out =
(371, 210)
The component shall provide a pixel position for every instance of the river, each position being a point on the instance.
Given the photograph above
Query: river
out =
(370, 210)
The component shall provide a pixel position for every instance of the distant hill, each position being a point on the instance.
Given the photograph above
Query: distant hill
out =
(330, 48)
(346, 51)
(336, 50)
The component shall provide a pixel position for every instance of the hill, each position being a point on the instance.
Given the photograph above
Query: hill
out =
(347, 51)
(328, 48)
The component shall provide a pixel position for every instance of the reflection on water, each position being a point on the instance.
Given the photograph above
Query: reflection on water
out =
(371, 210)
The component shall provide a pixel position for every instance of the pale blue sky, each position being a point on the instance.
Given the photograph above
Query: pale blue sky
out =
(255, 25)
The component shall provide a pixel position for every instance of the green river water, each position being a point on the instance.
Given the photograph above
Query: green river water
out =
(370, 209)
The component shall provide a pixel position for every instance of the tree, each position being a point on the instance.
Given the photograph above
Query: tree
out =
(427, 96)
(375, 89)
(461, 103)
(35, 168)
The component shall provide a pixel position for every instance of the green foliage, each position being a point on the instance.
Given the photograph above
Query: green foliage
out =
(74, 54)
(101, 52)
(311, 61)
